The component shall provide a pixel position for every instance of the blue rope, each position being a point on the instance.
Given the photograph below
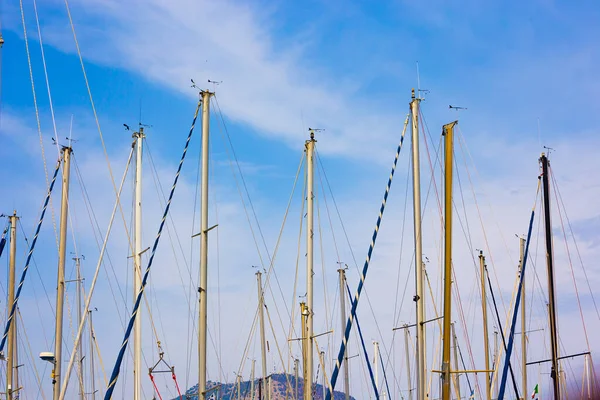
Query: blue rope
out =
(3, 239)
(362, 342)
(24, 274)
(117, 368)
(515, 313)
(363, 276)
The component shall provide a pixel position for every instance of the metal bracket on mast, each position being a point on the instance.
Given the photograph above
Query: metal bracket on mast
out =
(206, 231)
(413, 325)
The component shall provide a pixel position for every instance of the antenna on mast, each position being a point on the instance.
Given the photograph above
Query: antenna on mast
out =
(312, 132)
(549, 149)
(418, 77)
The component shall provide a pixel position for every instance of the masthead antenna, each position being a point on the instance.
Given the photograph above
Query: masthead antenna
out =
(312, 132)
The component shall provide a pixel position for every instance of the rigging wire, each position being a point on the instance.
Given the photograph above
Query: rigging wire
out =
(366, 266)
(560, 204)
(36, 108)
(367, 360)
(94, 279)
(115, 373)
(517, 301)
(32, 247)
(23, 330)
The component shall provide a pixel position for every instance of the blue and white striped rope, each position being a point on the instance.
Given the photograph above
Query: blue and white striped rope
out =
(115, 373)
(3, 239)
(342, 352)
(24, 274)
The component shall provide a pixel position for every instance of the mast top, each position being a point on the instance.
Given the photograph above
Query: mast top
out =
(448, 126)
(312, 133)
(412, 96)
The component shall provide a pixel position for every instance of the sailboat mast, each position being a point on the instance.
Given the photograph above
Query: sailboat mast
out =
(486, 344)
(323, 382)
(407, 350)
(376, 364)
(310, 149)
(11, 364)
(455, 350)
(202, 318)
(523, 321)
(296, 378)
(448, 132)
(342, 273)
(92, 371)
(550, 264)
(79, 318)
(263, 340)
(419, 300)
(137, 265)
(60, 289)
(252, 381)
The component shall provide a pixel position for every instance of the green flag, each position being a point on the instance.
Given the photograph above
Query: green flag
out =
(535, 392)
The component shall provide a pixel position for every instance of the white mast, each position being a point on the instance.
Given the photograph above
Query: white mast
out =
(310, 148)
(407, 350)
(252, 381)
(523, 321)
(296, 378)
(419, 300)
(343, 320)
(137, 265)
(79, 318)
(60, 289)
(376, 365)
(263, 343)
(12, 384)
(486, 345)
(92, 372)
(323, 383)
(202, 323)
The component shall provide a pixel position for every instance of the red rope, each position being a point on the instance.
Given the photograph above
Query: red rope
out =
(177, 386)
(154, 384)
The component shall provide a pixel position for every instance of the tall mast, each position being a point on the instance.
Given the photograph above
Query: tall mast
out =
(306, 385)
(11, 383)
(419, 299)
(495, 381)
(60, 287)
(137, 265)
(376, 364)
(448, 132)
(342, 273)
(202, 321)
(79, 318)
(310, 148)
(407, 350)
(588, 374)
(523, 321)
(252, 381)
(550, 264)
(296, 378)
(323, 383)
(263, 342)
(486, 344)
(92, 372)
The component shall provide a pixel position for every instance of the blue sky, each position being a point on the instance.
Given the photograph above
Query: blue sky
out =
(286, 66)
